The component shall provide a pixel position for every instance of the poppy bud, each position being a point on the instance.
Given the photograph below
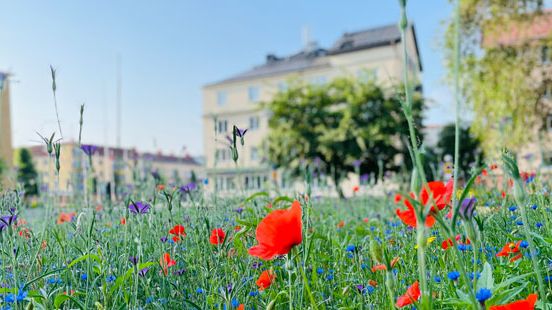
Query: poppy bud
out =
(376, 251)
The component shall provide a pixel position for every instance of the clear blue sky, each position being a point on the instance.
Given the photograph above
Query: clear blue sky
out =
(170, 49)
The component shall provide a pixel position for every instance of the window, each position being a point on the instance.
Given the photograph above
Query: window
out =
(548, 91)
(364, 75)
(221, 98)
(222, 126)
(254, 123)
(318, 80)
(254, 153)
(545, 55)
(282, 86)
(253, 93)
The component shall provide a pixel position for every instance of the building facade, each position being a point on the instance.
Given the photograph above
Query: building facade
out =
(369, 54)
(6, 152)
(113, 168)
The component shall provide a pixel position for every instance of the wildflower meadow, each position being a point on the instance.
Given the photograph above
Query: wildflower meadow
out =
(481, 242)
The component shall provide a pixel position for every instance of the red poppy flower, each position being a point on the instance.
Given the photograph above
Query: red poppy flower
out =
(378, 267)
(178, 230)
(65, 217)
(493, 166)
(356, 188)
(398, 198)
(123, 221)
(484, 172)
(509, 248)
(412, 295)
(217, 236)
(373, 283)
(365, 220)
(166, 261)
(503, 194)
(441, 195)
(25, 233)
(524, 304)
(341, 224)
(240, 307)
(448, 243)
(265, 279)
(278, 232)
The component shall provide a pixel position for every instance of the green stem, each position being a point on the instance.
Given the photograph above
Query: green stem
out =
(457, 101)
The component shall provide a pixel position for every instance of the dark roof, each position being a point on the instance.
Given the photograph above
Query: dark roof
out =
(313, 57)
(369, 38)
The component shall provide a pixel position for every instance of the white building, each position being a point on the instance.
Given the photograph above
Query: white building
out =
(372, 53)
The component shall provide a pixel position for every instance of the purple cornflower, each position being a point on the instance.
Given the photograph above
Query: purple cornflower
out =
(240, 132)
(133, 260)
(143, 271)
(7, 220)
(467, 208)
(139, 207)
(89, 149)
(188, 187)
(239, 210)
(179, 272)
(164, 239)
(357, 163)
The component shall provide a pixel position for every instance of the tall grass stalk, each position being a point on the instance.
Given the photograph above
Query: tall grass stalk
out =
(417, 162)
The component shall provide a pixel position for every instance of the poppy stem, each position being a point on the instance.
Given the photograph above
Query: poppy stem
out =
(289, 265)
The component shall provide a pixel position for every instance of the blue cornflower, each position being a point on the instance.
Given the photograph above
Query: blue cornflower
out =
(351, 248)
(320, 270)
(235, 302)
(437, 279)
(9, 298)
(149, 300)
(538, 225)
(548, 279)
(254, 293)
(519, 223)
(534, 207)
(524, 244)
(471, 275)
(84, 276)
(453, 275)
(111, 278)
(370, 289)
(22, 295)
(329, 277)
(483, 294)
(512, 208)
(200, 291)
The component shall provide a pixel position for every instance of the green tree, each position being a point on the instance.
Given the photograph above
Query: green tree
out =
(498, 66)
(27, 173)
(470, 148)
(337, 125)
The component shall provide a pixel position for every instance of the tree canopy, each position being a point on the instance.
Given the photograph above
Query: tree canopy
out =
(498, 63)
(470, 148)
(26, 173)
(337, 127)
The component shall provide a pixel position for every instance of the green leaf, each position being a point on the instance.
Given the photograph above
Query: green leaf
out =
(486, 279)
(61, 298)
(83, 258)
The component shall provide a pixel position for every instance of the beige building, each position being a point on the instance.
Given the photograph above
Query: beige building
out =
(369, 54)
(110, 166)
(6, 152)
